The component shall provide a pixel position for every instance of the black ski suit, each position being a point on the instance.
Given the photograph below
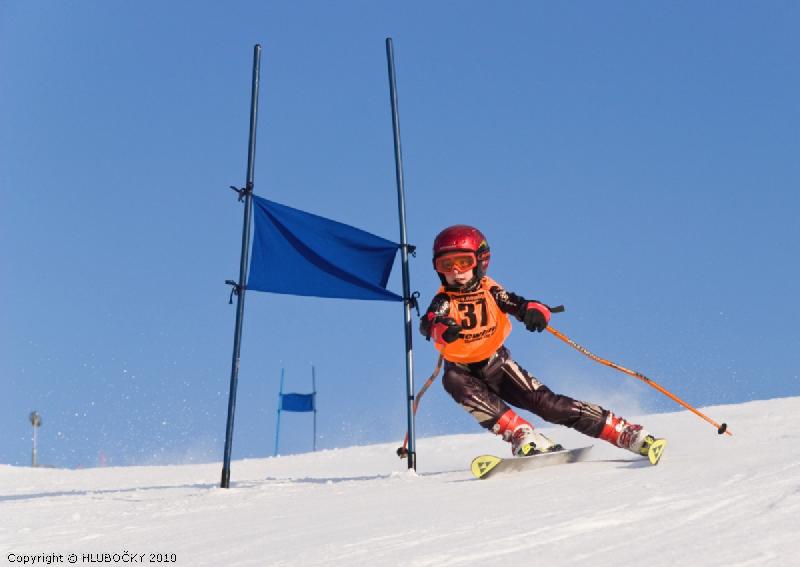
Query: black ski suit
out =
(485, 388)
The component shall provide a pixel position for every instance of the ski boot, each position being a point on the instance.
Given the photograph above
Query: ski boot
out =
(632, 437)
(525, 442)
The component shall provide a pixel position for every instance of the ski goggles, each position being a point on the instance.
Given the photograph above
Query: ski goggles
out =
(461, 261)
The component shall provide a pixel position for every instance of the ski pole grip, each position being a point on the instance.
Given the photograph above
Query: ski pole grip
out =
(556, 309)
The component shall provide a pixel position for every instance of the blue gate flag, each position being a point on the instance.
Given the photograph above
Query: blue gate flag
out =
(298, 253)
(297, 402)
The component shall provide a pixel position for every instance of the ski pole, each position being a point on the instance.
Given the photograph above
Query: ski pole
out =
(402, 452)
(723, 428)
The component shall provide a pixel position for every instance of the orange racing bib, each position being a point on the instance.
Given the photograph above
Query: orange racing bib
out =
(485, 326)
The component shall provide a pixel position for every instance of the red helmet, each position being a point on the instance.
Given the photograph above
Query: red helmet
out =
(463, 238)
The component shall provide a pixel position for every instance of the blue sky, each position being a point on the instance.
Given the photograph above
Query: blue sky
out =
(636, 162)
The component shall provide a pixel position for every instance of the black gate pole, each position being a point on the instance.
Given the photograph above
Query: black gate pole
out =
(241, 287)
(408, 300)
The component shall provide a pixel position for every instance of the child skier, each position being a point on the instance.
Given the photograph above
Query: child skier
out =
(468, 322)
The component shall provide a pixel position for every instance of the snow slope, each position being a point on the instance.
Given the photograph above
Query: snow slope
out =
(713, 500)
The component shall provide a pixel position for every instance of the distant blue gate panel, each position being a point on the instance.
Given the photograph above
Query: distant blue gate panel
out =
(297, 402)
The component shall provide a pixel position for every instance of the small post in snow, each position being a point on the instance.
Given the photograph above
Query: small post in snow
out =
(36, 421)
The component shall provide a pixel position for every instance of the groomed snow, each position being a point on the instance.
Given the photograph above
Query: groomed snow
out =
(713, 500)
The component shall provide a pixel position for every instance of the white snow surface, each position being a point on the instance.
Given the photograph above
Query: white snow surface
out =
(713, 500)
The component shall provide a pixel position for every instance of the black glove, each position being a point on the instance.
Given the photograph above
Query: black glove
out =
(444, 329)
(535, 315)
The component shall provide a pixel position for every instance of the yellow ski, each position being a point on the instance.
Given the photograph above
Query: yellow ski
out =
(655, 450)
(481, 466)
(486, 465)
